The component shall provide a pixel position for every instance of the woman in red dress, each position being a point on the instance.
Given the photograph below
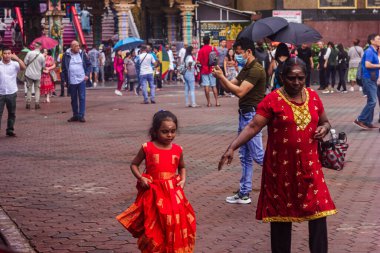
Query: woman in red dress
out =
(293, 187)
(161, 217)
(47, 84)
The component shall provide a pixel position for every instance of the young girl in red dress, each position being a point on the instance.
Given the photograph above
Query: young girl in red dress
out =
(161, 217)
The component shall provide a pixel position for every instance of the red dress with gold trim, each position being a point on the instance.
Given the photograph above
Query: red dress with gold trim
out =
(161, 217)
(293, 187)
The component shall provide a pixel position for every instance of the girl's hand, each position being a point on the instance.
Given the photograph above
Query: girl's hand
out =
(227, 156)
(114, 72)
(144, 182)
(321, 132)
(182, 183)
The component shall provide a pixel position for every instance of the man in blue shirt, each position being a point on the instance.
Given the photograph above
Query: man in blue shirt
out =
(370, 67)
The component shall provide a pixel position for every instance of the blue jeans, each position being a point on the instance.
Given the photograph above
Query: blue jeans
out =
(189, 87)
(78, 94)
(370, 89)
(249, 152)
(143, 82)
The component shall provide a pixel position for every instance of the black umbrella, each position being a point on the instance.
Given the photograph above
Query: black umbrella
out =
(296, 34)
(263, 28)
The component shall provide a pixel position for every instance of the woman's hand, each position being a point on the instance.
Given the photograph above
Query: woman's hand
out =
(227, 156)
(321, 132)
(114, 72)
(144, 182)
(182, 183)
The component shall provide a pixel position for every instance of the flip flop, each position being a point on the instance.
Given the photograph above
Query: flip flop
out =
(217, 105)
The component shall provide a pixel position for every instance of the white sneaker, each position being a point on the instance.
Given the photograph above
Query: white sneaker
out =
(352, 89)
(117, 92)
(236, 199)
(326, 91)
(360, 89)
(94, 84)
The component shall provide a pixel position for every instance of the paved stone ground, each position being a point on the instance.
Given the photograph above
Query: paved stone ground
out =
(63, 183)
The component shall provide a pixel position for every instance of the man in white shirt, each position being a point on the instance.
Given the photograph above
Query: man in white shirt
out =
(9, 67)
(169, 76)
(102, 62)
(181, 59)
(146, 74)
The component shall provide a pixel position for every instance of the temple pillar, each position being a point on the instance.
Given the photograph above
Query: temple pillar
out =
(97, 17)
(156, 23)
(187, 13)
(122, 10)
(53, 24)
(171, 22)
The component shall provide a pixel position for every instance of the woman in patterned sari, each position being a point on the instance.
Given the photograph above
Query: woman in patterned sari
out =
(293, 188)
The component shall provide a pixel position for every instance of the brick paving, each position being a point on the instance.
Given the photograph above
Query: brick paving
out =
(63, 183)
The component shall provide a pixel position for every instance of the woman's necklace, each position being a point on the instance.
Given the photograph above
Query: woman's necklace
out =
(289, 97)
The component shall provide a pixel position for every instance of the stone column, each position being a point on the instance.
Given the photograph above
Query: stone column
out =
(187, 13)
(171, 22)
(97, 16)
(156, 22)
(53, 24)
(123, 22)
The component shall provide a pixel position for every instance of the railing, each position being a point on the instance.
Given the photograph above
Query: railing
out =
(132, 25)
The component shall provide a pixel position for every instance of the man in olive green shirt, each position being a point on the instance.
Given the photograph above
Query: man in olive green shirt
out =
(249, 86)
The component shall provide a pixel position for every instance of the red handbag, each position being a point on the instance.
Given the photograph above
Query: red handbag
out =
(332, 153)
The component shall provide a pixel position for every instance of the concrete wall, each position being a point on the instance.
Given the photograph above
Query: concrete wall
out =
(345, 31)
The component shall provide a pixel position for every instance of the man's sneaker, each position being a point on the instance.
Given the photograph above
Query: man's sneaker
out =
(94, 84)
(360, 88)
(237, 199)
(326, 91)
(117, 92)
(352, 89)
(360, 124)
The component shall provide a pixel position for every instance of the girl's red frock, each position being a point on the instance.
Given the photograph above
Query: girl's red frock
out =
(293, 187)
(47, 84)
(161, 217)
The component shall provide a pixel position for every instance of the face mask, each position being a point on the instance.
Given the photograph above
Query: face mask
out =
(240, 59)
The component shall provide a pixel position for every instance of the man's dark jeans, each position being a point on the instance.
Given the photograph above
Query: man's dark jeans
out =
(10, 102)
(78, 99)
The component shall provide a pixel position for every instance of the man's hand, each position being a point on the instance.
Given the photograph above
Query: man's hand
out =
(227, 156)
(217, 72)
(85, 78)
(15, 57)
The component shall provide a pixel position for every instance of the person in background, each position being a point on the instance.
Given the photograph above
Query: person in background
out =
(189, 77)
(35, 62)
(94, 55)
(146, 74)
(321, 65)
(158, 68)
(47, 84)
(305, 54)
(59, 61)
(10, 65)
(355, 54)
(102, 62)
(208, 80)
(275, 68)
(3, 28)
(230, 66)
(370, 67)
(342, 68)
(222, 52)
(331, 63)
(118, 66)
(130, 71)
(76, 72)
(170, 73)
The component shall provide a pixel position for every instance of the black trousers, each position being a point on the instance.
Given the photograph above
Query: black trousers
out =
(330, 75)
(281, 236)
(322, 78)
(10, 102)
(308, 75)
(342, 78)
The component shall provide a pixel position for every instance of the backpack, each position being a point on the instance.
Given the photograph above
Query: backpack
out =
(213, 58)
(333, 57)
(359, 73)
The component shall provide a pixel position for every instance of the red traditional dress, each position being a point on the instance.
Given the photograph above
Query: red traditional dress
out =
(47, 84)
(161, 217)
(293, 187)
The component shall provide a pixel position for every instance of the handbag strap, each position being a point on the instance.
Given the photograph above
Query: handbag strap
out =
(33, 60)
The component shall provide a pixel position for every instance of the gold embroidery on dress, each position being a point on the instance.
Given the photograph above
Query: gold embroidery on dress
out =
(301, 113)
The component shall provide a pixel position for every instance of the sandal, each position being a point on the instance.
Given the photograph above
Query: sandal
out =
(217, 105)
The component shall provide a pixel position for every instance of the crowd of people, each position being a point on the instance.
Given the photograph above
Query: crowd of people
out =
(273, 90)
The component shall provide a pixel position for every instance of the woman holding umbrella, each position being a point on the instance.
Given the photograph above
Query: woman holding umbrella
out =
(47, 83)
